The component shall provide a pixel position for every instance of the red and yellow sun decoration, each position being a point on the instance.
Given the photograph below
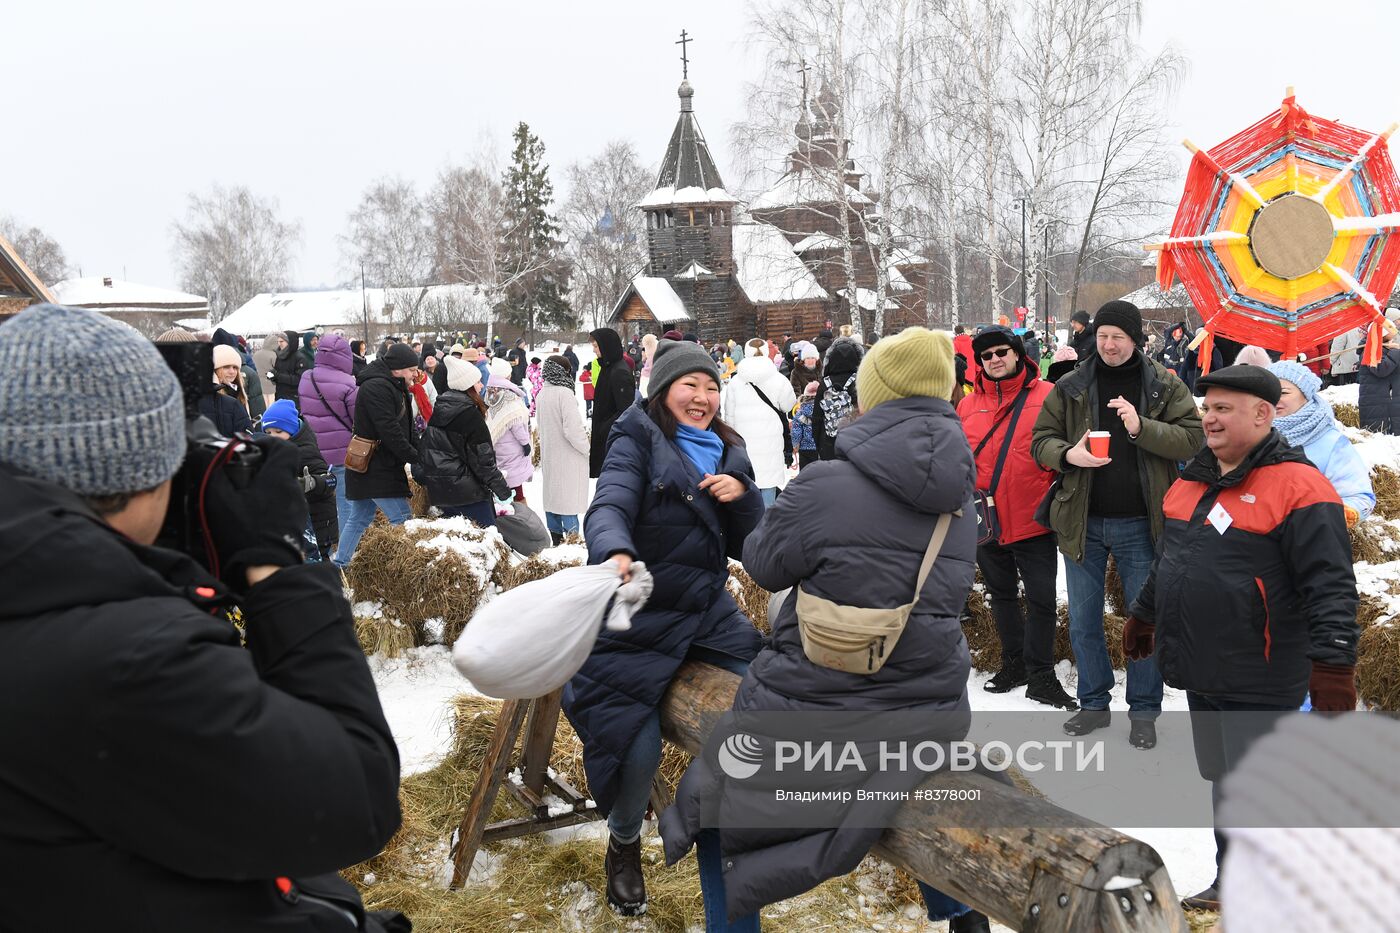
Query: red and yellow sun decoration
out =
(1286, 235)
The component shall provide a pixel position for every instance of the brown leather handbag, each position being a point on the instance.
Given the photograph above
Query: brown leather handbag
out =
(359, 453)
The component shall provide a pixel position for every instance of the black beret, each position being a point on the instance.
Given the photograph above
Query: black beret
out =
(1255, 380)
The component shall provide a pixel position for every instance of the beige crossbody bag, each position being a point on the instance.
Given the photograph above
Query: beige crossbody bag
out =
(854, 639)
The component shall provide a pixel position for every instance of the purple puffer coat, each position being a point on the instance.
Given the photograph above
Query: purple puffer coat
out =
(332, 417)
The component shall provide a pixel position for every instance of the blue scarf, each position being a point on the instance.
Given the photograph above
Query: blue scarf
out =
(1307, 424)
(702, 448)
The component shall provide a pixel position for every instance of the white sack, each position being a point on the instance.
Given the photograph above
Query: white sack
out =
(530, 640)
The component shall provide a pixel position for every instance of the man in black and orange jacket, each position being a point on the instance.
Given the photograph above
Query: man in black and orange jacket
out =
(1251, 603)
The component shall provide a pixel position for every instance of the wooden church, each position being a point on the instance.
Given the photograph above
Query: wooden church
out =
(19, 287)
(722, 269)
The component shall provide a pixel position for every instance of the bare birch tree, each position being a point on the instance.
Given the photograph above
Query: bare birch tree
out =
(389, 238)
(230, 246)
(40, 252)
(605, 234)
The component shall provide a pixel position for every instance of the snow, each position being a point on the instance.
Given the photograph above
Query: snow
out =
(1152, 298)
(694, 271)
(90, 292)
(804, 187)
(667, 195)
(865, 298)
(767, 268)
(271, 312)
(416, 691)
(460, 537)
(816, 241)
(661, 300)
(899, 256)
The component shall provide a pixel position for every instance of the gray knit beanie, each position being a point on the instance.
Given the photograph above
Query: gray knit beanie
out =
(674, 359)
(95, 429)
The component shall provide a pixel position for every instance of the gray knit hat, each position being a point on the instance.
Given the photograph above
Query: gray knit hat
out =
(674, 359)
(97, 430)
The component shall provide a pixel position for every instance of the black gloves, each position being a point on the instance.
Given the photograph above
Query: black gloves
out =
(260, 519)
(525, 449)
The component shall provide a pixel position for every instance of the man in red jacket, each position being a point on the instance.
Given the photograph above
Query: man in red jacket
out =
(1251, 602)
(997, 418)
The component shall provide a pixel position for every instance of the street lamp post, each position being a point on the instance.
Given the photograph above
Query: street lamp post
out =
(1045, 266)
(1022, 203)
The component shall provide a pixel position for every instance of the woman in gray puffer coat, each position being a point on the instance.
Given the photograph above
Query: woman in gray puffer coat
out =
(852, 530)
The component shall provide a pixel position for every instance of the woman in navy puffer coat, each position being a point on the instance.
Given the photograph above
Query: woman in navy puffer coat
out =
(852, 530)
(676, 492)
(327, 393)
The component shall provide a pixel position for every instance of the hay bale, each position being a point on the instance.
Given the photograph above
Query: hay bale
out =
(1373, 541)
(1348, 415)
(419, 585)
(752, 598)
(1378, 666)
(1386, 483)
(511, 572)
(383, 635)
(418, 500)
(535, 447)
(1113, 589)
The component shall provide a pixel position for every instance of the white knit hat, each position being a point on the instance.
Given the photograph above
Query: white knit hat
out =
(1310, 818)
(500, 367)
(461, 375)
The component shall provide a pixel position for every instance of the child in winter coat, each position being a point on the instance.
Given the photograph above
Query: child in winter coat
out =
(509, 421)
(803, 440)
(536, 380)
(585, 376)
(318, 484)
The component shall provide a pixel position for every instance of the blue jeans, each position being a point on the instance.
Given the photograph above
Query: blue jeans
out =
(1129, 540)
(342, 508)
(638, 766)
(561, 524)
(361, 513)
(770, 495)
(483, 513)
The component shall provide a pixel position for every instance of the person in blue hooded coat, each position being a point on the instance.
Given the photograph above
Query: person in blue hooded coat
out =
(1305, 420)
(853, 530)
(676, 492)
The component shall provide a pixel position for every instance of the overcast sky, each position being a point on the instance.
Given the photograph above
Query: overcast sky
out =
(122, 108)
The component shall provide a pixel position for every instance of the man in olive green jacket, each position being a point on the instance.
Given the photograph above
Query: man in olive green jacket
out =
(1113, 504)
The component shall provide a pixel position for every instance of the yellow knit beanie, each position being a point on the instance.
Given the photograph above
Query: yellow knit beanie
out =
(914, 362)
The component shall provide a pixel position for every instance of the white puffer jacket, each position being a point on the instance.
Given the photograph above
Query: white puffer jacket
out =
(745, 412)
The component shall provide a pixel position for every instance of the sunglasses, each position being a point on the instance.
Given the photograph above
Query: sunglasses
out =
(998, 353)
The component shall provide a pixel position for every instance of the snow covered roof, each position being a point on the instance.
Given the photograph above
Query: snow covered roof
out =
(103, 292)
(816, 241)
(688, 174)
(899, 256)
(668, 195)
(271, 312)
(767, 268)
(661, 300)
(804, 187)
(897, 281)
(1151, 298)
(694, 271)
(865, 299)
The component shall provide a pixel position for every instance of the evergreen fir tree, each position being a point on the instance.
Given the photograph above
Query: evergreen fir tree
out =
(532, 261)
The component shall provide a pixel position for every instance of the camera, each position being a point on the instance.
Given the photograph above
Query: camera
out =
(193, 365)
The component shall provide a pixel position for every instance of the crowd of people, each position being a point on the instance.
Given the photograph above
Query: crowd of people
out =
(842, 469)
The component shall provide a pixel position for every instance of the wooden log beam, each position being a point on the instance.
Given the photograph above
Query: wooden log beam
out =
(1054, 872)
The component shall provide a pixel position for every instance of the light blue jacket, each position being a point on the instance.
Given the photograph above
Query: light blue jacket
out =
(1333, 454)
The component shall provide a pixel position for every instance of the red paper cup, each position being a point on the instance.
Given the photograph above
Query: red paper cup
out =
(1098, 443)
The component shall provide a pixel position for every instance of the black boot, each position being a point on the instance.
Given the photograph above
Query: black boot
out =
(1142, 733)
(1011, 676)
(1209, 899)
(1087, 720)
(557, 537)
(627, 889)
(970, 922)
(1045, 688)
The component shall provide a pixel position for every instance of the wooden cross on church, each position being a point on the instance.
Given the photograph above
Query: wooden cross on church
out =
(685, 62)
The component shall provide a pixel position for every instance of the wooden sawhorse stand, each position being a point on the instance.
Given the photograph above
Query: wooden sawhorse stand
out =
(539, 718)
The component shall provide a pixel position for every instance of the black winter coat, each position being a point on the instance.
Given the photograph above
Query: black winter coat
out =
(174, 772)
(286, 372)
(647, 505)
(456, 460)
(1082, 342)
(227, 413)
(1241, 614)
(320, 501)
(383, 412)
(1380, 393)
(901, 465)
(613, 394)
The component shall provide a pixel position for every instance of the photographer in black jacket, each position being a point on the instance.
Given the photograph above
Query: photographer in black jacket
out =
(158, 775)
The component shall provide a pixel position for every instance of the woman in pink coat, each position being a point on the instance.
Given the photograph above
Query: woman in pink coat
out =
(508, 418)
